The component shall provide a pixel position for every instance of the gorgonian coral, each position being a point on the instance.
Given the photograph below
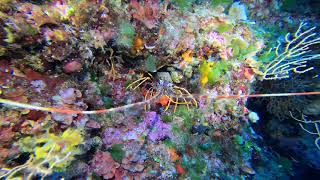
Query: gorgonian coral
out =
(293, 55)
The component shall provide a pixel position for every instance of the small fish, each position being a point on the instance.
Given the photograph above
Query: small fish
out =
(248, 22)
(12, 71)
(248, 169)
(16, 72)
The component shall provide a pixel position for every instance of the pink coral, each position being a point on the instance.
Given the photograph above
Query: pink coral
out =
(6, 134)
(215, 37)
(226, 53)
(70, 98)
(72, 66)
(130, 165)
(93, 124)
(104, 165)
(148, 13)
(70, 95)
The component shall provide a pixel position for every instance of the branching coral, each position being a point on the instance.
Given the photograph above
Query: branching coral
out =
(48, 152)
(297, 52)
(315, 123)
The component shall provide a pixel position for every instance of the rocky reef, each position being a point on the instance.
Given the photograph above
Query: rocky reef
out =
(159, 89)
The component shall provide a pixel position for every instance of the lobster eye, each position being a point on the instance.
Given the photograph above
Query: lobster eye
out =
(161, 82)
(170, 85)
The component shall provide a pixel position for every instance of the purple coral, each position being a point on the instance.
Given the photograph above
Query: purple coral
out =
(112, 136)
(152, 126)
(151, 118)
(39, 85)
(160, 130)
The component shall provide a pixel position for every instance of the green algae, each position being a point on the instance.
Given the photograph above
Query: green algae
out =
(117, 152)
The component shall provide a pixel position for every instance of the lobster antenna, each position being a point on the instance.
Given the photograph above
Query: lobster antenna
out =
(121, 108)
(74, 111)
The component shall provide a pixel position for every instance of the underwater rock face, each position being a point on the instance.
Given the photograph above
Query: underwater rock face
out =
(159, 89)
(313, 108)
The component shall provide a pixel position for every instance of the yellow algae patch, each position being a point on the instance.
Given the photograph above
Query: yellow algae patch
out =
(187, 56)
